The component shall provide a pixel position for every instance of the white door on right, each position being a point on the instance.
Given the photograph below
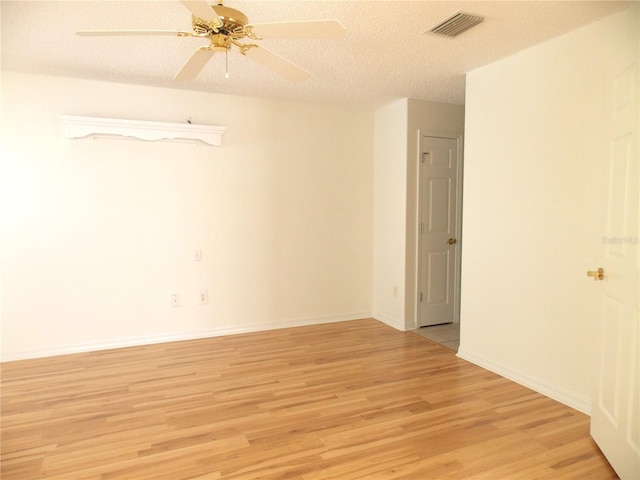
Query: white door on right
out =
(439, 257)
(615, 412)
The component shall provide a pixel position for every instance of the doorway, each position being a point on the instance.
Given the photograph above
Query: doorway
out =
(439, 212)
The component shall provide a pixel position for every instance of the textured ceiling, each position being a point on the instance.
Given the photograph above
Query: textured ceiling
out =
(386, 54)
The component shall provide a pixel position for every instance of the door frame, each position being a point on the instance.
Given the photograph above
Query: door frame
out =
(459, 138)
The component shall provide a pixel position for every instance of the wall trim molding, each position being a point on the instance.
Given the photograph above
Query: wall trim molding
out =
(390, 321)
(79, 127)
(578, 402)
(177, 337)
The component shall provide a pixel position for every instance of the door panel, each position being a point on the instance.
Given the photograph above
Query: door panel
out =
(615, 421)
(439, 254)
(610, 340)
(438, 279)
(439, 206)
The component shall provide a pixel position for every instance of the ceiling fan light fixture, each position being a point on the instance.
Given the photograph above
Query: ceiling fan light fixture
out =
(220, 42)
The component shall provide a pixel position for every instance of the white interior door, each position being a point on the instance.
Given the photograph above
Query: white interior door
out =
(439, 247)
(615, 415)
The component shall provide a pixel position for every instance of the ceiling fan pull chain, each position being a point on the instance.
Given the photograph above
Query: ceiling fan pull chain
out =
(226, 64)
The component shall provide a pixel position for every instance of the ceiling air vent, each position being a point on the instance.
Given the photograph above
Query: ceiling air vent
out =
(456, 24)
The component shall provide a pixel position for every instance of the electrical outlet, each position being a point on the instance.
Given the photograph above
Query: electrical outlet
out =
(197, 255)
(395, 290)
(203, 297)
(175, 300)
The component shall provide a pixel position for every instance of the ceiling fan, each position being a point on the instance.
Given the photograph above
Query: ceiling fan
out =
(225, 27)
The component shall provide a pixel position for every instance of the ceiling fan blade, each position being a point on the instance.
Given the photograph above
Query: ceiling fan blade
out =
(109, 33)
(310, 29)
(195, 64)
(277, 63)
(202, 9)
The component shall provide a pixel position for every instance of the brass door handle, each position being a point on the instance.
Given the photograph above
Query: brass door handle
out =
(596, 274)
(451, 241)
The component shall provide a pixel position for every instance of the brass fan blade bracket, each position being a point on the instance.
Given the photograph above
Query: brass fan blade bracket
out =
(193, 34)
(248, 31)
(204, 28)
(244, 47)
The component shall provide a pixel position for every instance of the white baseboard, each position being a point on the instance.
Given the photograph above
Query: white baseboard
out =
(390, 321)
(578, 402)
(152, 339)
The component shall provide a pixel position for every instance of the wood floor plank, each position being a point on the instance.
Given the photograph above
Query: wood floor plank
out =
(347, 400)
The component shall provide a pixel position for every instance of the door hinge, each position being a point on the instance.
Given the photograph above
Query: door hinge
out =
(420, 296)
(422, 228)
(424, 156)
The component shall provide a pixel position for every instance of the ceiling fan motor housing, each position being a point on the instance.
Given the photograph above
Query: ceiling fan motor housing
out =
(233, 22)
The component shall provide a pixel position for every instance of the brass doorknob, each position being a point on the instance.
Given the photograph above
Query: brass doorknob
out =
(451, 241)
(596, 274)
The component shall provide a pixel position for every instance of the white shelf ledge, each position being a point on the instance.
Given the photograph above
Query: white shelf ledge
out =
(78, 127)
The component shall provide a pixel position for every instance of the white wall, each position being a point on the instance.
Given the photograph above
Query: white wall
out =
(98, 233)
(535, 158)
(398, 127)
(389, 187)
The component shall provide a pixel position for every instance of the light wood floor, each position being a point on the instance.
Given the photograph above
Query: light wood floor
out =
(339, 401)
